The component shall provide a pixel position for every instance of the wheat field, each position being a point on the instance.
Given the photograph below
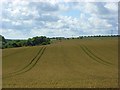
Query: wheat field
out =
(75, 63)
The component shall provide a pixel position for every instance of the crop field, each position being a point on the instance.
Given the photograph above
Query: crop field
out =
(74, 63)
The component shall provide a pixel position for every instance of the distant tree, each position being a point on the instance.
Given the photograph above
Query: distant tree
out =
(40, 40)
(29, 42)
(2, 42)
(99, 35)
(81, 37)
(14, 45)
(7, 43)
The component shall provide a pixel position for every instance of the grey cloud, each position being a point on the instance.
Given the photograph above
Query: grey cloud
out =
(23, 25)
(101, 9)
(45, 17)
(44, 6)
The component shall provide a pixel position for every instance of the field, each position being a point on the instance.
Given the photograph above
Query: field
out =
(75, 63)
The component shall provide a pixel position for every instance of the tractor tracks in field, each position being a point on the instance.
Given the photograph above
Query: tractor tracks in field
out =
(93, 56)
(29, 66)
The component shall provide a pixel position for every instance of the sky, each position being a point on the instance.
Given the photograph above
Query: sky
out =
(22, 19)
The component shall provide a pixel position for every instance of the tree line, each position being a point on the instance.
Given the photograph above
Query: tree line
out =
(9, 43)
(39, 40)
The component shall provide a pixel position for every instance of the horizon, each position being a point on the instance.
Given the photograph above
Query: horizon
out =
(65, 37)
(26, 19)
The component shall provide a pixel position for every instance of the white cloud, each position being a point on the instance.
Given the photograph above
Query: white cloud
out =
(112, 6)
(27, 19)
(63, 7)
(12, 34)
(99, 23)
(91, 8)
(16, 23)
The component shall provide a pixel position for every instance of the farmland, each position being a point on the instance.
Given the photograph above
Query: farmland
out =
(82, 63)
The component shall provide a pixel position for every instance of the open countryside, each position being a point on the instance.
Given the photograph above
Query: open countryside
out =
(82, 63)
(59, 43)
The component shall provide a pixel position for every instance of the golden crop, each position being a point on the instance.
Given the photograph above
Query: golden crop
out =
(79, 63)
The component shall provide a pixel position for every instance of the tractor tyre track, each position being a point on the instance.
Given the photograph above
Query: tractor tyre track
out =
(97, 56)
(92, 56)
(30, 65)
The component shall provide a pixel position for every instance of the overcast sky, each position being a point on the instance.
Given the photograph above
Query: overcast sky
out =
(23, 19)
